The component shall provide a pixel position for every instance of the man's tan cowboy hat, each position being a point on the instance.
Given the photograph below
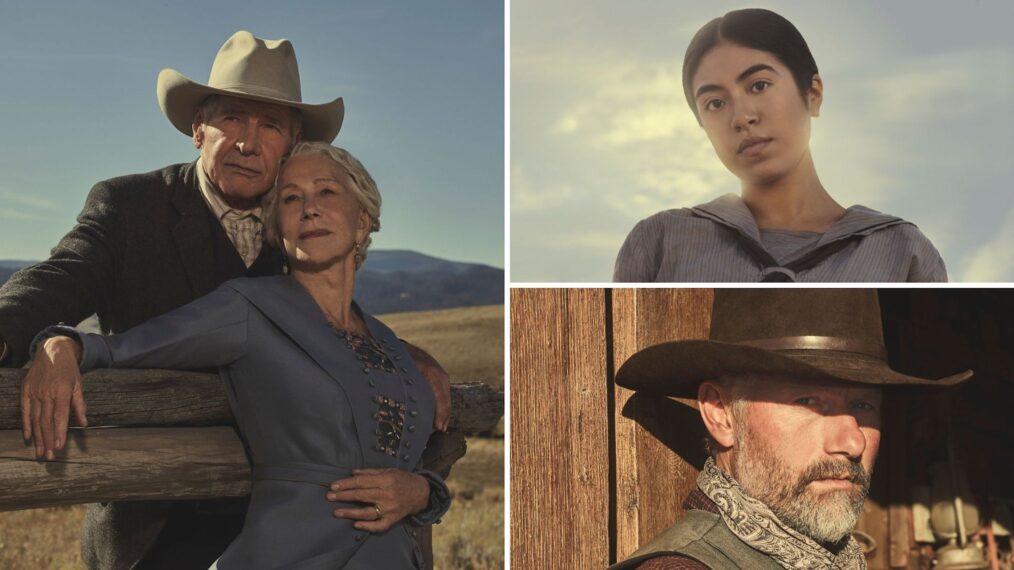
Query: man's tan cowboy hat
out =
(249, 68)
(830, 334)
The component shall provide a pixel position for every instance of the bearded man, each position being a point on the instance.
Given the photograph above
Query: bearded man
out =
(790, 391)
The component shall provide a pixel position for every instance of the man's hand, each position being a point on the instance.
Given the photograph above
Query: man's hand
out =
(50, 389)
(439, 382)
(390, 494)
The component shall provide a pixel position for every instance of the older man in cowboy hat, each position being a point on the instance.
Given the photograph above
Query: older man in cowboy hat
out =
(147, 243)
(789, 390)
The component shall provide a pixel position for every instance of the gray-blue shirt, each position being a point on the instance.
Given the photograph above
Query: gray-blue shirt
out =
(720, 242)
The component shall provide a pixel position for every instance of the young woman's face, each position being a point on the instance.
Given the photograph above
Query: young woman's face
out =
(751, 109)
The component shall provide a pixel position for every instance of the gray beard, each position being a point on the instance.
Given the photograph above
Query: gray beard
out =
(826, 517)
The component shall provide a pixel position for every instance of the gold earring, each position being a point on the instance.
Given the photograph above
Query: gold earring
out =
(357, 255)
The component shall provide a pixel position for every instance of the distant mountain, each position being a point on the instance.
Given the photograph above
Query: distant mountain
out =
(9, 266)
(397, 280)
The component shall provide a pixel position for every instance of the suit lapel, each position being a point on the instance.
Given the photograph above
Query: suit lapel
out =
(192, 233)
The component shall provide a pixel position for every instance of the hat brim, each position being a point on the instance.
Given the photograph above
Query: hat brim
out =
(677, 368)
(179, 97)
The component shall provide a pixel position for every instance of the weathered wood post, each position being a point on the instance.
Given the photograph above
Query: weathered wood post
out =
(166, 434)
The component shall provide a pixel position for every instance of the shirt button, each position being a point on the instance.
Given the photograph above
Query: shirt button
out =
(359, 537)
(410, 382)
(373, 384)
(404, 457)
(366, 370)
(413, 413)
(411, 428)
(408, 445)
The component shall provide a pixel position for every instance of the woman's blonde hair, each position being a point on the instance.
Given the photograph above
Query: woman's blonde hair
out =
(363, 186)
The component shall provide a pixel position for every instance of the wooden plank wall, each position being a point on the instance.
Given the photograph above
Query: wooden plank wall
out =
(572, 504)
(658, 442)
(559, 429)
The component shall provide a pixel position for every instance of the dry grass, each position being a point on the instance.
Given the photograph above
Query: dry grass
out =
(469, 343)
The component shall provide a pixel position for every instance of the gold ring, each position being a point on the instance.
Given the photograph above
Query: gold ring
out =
(380, 515)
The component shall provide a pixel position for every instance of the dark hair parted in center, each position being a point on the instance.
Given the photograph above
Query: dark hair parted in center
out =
(754, 28)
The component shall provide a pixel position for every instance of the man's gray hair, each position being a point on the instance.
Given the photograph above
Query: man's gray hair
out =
(363, 187)
(212, 106)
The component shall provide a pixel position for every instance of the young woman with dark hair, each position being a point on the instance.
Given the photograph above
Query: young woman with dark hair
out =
(753, 85)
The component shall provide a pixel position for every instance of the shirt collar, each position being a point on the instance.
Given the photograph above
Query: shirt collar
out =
(213, 196)
(730, 210)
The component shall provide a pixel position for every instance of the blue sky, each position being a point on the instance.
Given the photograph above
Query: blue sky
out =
(917, 121)
(422, 82)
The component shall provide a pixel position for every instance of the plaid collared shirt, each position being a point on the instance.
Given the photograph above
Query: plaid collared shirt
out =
(245, 228)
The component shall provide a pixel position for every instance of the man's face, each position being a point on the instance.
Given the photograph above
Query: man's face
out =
(241, 147)
(807, 451)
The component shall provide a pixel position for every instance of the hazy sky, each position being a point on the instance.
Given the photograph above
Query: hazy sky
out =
(917, 121)
(423, 84)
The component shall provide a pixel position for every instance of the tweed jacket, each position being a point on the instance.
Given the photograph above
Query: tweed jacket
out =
(311, 404)
(720, 241)
(142, 246)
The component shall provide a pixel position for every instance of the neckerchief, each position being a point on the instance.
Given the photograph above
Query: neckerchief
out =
(754, 523)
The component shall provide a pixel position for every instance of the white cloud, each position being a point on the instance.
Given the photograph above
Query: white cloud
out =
(993, 261)
(529, 196)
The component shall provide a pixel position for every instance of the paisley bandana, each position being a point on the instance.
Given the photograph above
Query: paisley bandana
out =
(754, 523)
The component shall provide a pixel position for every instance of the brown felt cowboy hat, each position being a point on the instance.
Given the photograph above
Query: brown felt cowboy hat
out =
(828, 334)
(249, 68)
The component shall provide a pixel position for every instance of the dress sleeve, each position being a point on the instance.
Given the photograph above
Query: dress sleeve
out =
(640, 256)
(69, 286)
(210, 331)
(440, 500)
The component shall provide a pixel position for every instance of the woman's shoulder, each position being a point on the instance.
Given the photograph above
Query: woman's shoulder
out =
(904, 239)
(891, 227)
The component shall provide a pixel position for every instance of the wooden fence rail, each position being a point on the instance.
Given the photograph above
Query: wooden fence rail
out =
(171, 440)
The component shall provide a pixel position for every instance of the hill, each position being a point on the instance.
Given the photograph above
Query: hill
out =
(402, 280)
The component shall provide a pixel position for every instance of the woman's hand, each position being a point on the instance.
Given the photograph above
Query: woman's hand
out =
(439, 382)
(391, 494)
(50, 389)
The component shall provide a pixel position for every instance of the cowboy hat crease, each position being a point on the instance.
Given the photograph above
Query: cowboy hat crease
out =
(818, 334)
(249, 68)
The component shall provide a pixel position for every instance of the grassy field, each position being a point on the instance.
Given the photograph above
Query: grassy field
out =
(469, 344)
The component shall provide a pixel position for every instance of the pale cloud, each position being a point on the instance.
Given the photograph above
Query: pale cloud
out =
(631, 114)
(993, 261)
(529, 196)
(27, 200)
(604, 241)
(939, 85)
(8, 214)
